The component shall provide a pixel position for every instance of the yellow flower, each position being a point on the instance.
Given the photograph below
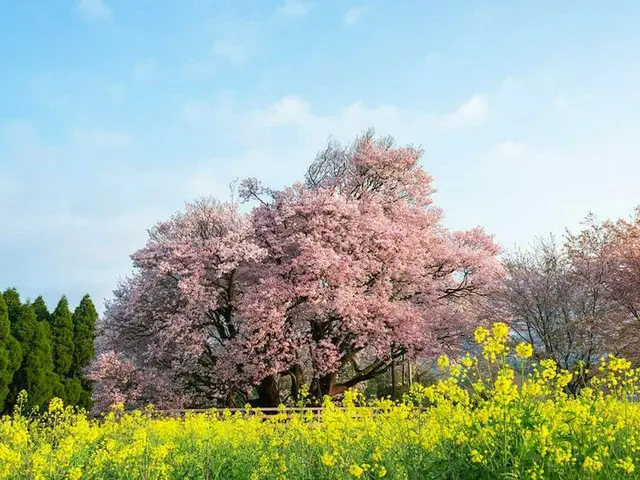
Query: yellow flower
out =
(480, 334)
(327, 459)
(467, 362)
(618, 364)
(563, 456)
(500, 330)
(476, 457)
(626, 465)
(75, 473)
(592, 464)
(524, 350)
(443, 361)
(550, 368)
(356, 471)
(382, 472)
(56, 405)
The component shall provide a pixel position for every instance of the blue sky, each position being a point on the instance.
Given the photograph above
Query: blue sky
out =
(113, 113)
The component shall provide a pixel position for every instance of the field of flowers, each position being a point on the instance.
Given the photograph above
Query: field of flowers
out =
(474, 423)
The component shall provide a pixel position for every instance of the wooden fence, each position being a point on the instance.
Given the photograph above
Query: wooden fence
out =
(265, 412)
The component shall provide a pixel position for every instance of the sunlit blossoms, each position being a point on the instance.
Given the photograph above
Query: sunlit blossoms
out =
(323, 285)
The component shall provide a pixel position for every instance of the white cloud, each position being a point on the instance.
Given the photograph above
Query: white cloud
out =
(353, 15)
(94, 9)
(293, 9)
(289, 131)
(289, 109)
(101, 138)
(232, 51)
(473, 112)
(296, 114)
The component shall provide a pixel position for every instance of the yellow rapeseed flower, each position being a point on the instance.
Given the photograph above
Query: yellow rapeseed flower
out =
(327, 459)
(480, 334)
(524, 350)
(476, 457)
(526, 426)
(356, 470)
(500, 330)
(443, 361)
(592, 464)
(626, 465)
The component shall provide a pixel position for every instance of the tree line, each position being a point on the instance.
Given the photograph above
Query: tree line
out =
(45, 353)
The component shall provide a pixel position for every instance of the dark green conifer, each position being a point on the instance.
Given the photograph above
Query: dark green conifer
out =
(12, 299)
(36, 373)
(85, 317)
(42, 312)
(10, 354)
(62, 336)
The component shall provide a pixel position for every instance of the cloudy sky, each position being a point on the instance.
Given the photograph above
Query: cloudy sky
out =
(113, 113)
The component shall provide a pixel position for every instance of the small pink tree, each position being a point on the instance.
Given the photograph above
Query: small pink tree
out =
(624, 282)
(174, 318)
(575, 301)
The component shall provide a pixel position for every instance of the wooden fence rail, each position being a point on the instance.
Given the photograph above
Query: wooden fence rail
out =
(266, 412)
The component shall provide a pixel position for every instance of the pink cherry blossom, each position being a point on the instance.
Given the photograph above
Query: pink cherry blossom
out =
(342, 273)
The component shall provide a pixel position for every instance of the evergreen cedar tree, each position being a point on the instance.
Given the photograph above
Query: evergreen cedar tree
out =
(62, 333)
(36, 373)
(28, 351)
(42, 312)
(84, 320)
(323, 285)
(12, 300)
(10, 353)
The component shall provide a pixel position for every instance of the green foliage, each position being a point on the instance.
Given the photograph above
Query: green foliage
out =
(10, 353)
(36, 373)
(12, 299)
(73, 391)
(62, 335)
(42, 312)
(84, 327)
(57, 347)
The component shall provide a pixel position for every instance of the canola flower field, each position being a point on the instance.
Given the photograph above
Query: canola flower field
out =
(476, 422)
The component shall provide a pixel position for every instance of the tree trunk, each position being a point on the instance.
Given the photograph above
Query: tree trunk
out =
(393, 378)
(268, 393)
(327, 386)
(297, 380)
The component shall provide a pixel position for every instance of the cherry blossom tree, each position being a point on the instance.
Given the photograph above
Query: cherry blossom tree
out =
(359, 270)
(173, 319)
(624, 282)
(563, 298)
(325, 284)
